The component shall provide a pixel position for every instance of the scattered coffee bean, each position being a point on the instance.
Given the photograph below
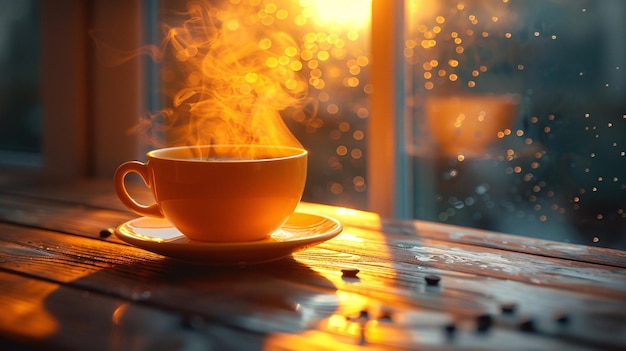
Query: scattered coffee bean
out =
(364, 314)
(350, 272)
(484, 322)
(508, 308)
(450, 328)
(363, 317)
(385, 316)
(562, 318)
(526, 325)
(105, 233)
(432, 280)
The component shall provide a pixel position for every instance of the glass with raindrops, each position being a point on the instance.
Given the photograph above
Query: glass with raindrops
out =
(518, 115)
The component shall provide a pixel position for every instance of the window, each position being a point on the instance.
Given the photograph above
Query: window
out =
(518, 116)
(496, 114)
(20, 106)
(65, 112)
(500, 115)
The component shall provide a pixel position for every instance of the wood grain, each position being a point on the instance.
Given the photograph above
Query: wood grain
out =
(99, 194)
(41, 315)
(56, 268)
(132, 274)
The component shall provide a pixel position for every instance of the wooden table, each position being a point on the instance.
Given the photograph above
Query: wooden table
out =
(67, 285)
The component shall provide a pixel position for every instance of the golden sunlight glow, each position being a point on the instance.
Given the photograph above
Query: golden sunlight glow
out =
(349, 237)
(36, 317)
(343, 211)
(118, 313)
(344, 330)
(29, 319)
(354, 13)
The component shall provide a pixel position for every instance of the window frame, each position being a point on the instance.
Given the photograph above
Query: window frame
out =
(388, 165)
(88, 107)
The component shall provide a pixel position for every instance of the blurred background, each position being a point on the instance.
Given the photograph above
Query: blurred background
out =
(514, 111)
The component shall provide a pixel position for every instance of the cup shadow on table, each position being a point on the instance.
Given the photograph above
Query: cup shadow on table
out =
(158, 304)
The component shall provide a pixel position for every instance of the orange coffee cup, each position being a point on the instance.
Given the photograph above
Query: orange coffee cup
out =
(220, 193)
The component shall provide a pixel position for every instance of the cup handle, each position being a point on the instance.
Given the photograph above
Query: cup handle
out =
(120, 187)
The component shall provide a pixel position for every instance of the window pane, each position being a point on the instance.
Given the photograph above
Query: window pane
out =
(20, 107)
(519, 116)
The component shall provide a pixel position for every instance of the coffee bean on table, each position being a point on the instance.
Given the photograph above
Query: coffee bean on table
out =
(364, 314)
(562, 318)
(450, 328)
(385, 316)
(350, 272)
(526, 325)
(484, 322)
(432, 280)
(508, 308)
(105, 233)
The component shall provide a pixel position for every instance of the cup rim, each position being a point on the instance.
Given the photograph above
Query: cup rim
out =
(159, 153)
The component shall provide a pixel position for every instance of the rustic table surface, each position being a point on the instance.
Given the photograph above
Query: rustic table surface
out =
(66, 284)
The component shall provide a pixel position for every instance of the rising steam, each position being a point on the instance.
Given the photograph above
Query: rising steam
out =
(228, 76)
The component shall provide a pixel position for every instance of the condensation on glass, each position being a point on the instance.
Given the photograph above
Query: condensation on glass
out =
(518, 114)
(20, 105)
